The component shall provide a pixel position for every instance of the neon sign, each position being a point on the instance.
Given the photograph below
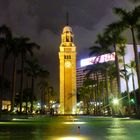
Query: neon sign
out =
(98, 59)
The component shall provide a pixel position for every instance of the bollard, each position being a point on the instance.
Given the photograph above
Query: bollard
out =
(78, 129)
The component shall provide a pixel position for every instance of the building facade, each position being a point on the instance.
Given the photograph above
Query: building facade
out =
(67, 59)
(129, 56)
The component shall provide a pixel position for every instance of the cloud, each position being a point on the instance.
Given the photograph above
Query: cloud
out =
(43, 21)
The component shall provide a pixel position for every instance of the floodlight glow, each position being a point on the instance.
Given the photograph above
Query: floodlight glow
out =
(69, 138)
(115, 101)
(72, 138)
(132, 101)
(74, 122)
(99, 59)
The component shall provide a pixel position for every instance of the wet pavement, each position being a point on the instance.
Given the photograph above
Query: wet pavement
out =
(71, 128)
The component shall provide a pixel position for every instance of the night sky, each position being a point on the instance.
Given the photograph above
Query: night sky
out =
(43, 21)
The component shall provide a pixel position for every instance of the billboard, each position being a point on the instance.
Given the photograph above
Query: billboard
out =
(97, 59)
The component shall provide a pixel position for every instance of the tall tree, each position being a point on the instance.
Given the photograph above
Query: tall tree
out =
(101, 70)
(124, 73)
(26, 46)
(32, 70)
(101, 46)
(51, 96)
(84, 95)
(134, 1)
(27, 97)
(5, 35)
(130, 20)
(14, 50)
(115, 38)
(132, 67)
(44, 84)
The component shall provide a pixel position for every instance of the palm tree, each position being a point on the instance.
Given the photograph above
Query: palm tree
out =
(25, 47)
(27, 97)
(89, 84)
(5, 35)
(132, 66)
(32, 70)
(98, 70)
(124, 73)
(84, 95)
(14, 49)
(112, 77)
(101, 46)
(130, 20)
(44, 84)
(115, 38)
(134, 1)
(51, 96)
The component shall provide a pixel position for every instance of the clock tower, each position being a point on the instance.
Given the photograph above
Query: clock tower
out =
(67, 59)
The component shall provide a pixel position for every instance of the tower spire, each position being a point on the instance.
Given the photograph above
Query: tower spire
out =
(67, 18)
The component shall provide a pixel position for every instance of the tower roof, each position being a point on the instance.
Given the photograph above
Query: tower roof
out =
(67, 29)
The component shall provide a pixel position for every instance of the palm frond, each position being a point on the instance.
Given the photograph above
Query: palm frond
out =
(138, 31)
(134, 1)
(116, 27)
(5, 30)
(120, 11)
(136, 10)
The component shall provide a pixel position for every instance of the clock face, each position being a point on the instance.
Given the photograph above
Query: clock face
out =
(68, 64)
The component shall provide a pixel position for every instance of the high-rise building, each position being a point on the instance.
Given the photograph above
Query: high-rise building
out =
(81, 73)
(67, 59)
(129, 56)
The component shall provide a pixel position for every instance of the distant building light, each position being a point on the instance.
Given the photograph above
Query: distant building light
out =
(98, 59)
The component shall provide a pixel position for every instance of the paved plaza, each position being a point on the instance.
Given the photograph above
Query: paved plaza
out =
(70, 128)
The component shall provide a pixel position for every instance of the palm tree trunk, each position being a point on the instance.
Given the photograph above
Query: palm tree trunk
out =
(95, 97)
(137, 62)
(134, 91)
(26, 106)
(127, 87)
(118, 71)
(111, 83)
(1, 102)
(103, 97)
(136, 58)
(2, 84)
(92, 92)
(107, 92)
(42, 99)
(32, 94)
(21, 82)
(13, 84)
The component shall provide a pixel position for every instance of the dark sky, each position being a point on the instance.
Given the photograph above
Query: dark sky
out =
(43, 21)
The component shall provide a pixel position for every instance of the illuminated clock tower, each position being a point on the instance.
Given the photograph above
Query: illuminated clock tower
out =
(67, 59)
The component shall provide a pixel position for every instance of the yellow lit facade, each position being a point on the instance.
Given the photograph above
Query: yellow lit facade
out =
(67, 58)
(6, 105)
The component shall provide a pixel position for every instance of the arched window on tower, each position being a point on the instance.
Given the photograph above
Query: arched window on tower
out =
(67, 56)
(67, 38)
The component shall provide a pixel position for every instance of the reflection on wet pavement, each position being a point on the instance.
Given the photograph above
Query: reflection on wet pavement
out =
(71, 128)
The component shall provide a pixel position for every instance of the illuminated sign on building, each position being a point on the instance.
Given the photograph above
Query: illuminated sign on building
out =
(98, 59)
